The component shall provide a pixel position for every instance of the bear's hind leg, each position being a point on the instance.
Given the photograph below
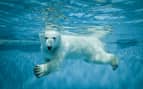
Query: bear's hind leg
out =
(114, 62)
(105, 58)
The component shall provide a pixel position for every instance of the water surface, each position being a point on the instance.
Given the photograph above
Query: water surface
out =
(21, 22)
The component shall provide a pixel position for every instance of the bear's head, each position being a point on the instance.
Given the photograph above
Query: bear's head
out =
(50, 40)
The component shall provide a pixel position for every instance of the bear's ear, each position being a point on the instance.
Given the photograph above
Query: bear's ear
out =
(41, 36)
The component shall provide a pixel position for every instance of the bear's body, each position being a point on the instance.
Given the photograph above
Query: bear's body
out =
(56, 47)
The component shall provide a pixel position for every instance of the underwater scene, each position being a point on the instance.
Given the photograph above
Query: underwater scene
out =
(21, 21)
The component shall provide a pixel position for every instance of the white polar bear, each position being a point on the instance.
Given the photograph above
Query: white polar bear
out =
(56, 46)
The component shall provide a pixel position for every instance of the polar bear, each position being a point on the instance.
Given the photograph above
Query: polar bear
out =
(56, 47)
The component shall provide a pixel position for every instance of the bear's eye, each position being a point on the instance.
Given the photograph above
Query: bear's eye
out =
(54, 38)
(46, 37)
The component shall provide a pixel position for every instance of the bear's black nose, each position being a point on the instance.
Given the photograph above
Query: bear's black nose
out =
(49, 47)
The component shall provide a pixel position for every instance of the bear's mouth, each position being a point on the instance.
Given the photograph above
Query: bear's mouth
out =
(49, 47)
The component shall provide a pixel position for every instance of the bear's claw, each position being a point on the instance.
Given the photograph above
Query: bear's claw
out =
(114, 67)
(38, 71)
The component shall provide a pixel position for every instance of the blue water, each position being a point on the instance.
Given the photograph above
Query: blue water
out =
(22, 20)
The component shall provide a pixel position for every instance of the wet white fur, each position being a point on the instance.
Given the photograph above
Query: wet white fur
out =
(89, 47)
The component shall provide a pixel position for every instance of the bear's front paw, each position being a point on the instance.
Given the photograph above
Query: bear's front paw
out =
(40, 70)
